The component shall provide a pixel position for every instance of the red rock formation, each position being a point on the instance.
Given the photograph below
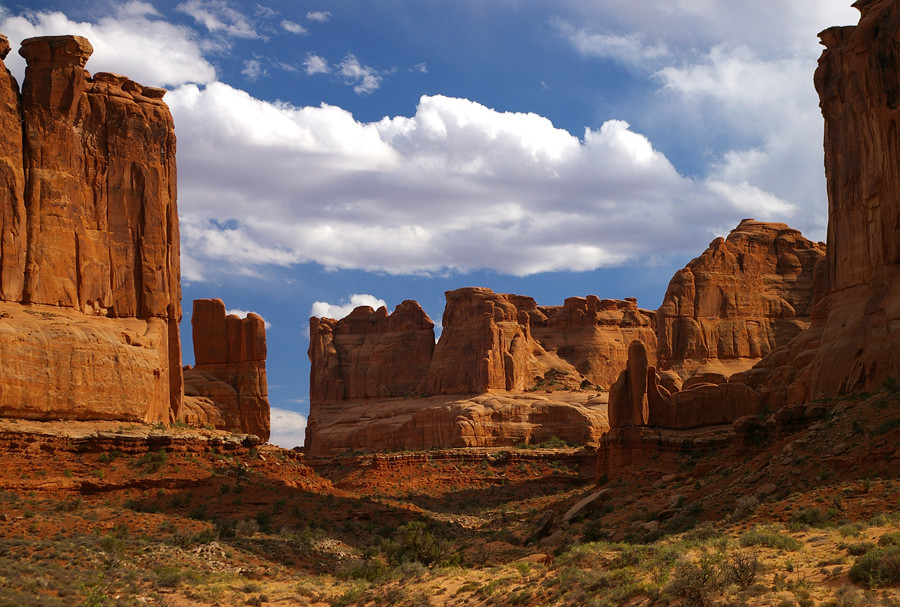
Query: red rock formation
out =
(89, 224)
(370, 354)
(743, 297)
(593, 334)
(227, 386)
(13, 237)
(628, 396)
(486, 344)
(858, 81)
(486, 420)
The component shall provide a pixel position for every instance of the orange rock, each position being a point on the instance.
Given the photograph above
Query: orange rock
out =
(89, 224)
(227, 386)
(628, 405)
(369, 353)
(744, 296)
(858, 88)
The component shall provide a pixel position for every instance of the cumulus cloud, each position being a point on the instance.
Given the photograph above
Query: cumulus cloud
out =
(218, 16)
(314, 64)
(132, 41)
(320, 16)
(288, 428)
(293, 27)
(362, 78)
(456, 186)
(323, 309)
(243, 314)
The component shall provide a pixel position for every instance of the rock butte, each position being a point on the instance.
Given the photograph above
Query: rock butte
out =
(90, 293)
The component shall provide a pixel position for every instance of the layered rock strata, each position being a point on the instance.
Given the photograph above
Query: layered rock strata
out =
(485, 420)
(744, 296)
(88, 231)
(227, 388)
(639, 398)
(491, 343)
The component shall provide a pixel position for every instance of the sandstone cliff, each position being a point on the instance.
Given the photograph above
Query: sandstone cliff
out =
(227, 388)
(370, 354)
(89, 233)
(744, 296)
(378, 381)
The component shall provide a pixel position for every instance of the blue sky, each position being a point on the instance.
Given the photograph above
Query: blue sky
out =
(333, 153)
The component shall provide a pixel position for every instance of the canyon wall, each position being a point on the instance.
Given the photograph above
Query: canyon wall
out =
(89, 249)
(744, 296)
(227, 388)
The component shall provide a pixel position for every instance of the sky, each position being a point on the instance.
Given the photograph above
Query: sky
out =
(335, 154)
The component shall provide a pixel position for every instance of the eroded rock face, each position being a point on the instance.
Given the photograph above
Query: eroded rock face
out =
(485, 420)
(89, 224)
(858, 81)
(628, 404)
(491, 343)
(486, 344)
(370, 354)
(593, 334)
(743, 297)
(227, 386)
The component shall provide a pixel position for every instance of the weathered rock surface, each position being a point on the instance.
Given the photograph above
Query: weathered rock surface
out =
(744, 296)
(491, 342)
(88, 226)
(859, 89)
(227, 386)
(593, 334)
(628, 404)
(370, 354)
(485, 420)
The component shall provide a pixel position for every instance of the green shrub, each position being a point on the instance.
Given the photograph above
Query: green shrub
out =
(695, 582)
(812, 517)
(878, 567)
(764, 536)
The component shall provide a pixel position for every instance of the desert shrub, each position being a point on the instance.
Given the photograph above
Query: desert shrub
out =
(414, 542)
(763, 536)
(152, 461)
(695, 582)
(741, 568)
(889, 539)
(812, 517)
(878, 567)
(593, 532)
(859, 548)
(744, 507)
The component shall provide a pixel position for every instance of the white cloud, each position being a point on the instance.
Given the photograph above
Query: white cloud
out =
(243, 314)
(320, 16)
(314, 64)
(288, 428)
(629, 49)
(252, 69)
(456, 186)
(363, 78)
(218, 16)
(420, 67)
(323, 309)
(293, 27)
(132, 41)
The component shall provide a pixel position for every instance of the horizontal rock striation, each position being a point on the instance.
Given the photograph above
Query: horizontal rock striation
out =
(88, 225)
